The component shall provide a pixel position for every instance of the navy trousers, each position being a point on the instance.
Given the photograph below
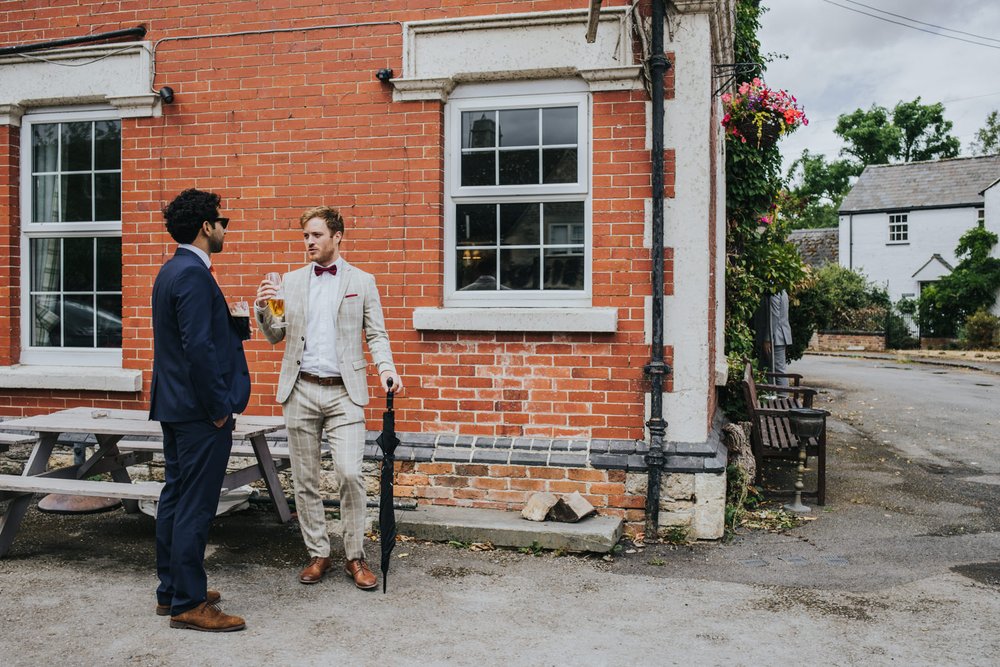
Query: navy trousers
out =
(196, 455)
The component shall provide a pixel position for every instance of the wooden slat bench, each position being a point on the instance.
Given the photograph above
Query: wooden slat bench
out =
(8, 440)
(771, 431)
(278, 453)
(25, 484)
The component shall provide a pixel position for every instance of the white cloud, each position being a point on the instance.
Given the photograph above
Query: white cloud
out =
(839, 61)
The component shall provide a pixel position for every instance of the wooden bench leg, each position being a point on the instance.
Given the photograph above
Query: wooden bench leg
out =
(270, 475)
(109, 447)
(18, 507)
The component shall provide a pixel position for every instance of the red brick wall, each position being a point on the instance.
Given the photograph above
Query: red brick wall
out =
(277, 123)
(846, 341)
(10, 257)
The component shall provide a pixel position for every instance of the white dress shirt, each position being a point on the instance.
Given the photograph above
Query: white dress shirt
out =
(319, 356)
(198, 251)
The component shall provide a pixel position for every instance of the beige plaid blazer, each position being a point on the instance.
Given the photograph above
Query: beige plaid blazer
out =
(357, 306)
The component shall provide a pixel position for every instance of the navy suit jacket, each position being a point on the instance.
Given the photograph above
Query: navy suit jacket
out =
(199, 368)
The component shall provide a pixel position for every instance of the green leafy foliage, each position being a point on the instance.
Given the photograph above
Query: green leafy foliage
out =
(816, 189)
(980, 331)
(972, 286)
(757, 261)
(987, 141)
(911, 132)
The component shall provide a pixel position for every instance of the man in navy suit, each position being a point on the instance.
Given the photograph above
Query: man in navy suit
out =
(200, 378)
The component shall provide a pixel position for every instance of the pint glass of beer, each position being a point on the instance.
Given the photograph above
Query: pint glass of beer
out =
(276, 304)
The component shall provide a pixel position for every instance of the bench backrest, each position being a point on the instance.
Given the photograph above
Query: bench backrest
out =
(768, 431)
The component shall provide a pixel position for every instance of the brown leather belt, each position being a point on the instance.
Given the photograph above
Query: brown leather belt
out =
(325, 382)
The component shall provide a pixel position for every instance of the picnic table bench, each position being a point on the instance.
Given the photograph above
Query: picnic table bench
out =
(8, 440)
(771, 434)
(109, 428)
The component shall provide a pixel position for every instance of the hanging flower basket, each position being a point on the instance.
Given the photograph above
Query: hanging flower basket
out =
(761, 130)
(758, 115)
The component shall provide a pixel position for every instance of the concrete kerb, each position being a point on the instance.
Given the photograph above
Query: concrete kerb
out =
(984, 366)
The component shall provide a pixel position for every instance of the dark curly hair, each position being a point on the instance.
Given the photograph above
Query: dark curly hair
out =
(187, 211)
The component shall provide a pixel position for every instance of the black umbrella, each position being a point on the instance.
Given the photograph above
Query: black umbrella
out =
(386, 516)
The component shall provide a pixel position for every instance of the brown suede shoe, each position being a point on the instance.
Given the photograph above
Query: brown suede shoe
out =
(207, 618)
(211, 598)
(315, 570)
(363, 577)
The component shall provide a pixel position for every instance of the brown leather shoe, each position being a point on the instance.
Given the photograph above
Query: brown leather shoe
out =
(211, 598)
(363, 577)
(315, 570)
(207, 618)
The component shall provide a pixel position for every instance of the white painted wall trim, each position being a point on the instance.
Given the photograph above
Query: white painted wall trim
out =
(70, 377)
(116, 74)
(440, 54)
(593, 320)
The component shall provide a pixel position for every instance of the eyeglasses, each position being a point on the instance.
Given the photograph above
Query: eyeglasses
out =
(222, 221)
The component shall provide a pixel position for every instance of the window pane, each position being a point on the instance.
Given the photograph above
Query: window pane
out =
(76, 198)
(45, 329)
(46, 199)
(108, 206)
(107, 144)
(78, 320)
(559, 165)
(564, 222)
(519, 167)
(77, 146)
(475, 224)
(78, 268)
(109, 264)
(45, 265)
(479, 129)
(519, 224)
(559, 126)
(519, 127)
(44, 147)
(479, 169)
(519, 269)
(109, 320)
(476, 270)
(564, 268)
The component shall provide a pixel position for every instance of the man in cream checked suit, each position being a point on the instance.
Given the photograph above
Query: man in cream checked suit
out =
(323, 386)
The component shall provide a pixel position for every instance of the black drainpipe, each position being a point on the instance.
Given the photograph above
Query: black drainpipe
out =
(138, 33)
(656, 370)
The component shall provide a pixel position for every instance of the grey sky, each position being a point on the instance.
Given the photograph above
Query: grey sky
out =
(839, 60)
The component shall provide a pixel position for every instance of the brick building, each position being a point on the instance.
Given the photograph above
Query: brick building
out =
(496, 182)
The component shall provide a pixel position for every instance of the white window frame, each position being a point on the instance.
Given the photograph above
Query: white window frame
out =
(981, 216)
(67, 356)
(514, 95)
(899, 226)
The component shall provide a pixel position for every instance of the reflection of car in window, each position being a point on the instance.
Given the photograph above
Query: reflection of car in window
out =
(78, 327)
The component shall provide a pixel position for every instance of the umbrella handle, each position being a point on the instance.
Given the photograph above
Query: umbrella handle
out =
(388, 394)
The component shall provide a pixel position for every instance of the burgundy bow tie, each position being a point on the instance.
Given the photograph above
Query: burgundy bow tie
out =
(332, 270)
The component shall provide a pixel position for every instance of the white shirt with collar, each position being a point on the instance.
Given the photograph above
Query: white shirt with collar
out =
(319, 356)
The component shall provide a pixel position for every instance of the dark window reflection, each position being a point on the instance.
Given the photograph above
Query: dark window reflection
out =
(559, 126)
(564, 269)
(108, 144)
(109, 264)
(475, 224)
(519, 127)
(108, 206)
(559, 165)
(77, 198)
(479, 129)
(476, 270)
(519, 167)
(78, 267)
(519, 224)
(519, 269)
(479, 168)
(77, 144)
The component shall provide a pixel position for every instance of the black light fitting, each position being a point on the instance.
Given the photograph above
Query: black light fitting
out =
(384, 75)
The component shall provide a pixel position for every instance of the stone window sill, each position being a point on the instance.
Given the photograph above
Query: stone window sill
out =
(592, 320)
(77, 378)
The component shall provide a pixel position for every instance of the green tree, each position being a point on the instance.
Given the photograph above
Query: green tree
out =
(948, 303)
(926, 133)
(987, 141)
(912, 131)
(870, 135)
(816, 189)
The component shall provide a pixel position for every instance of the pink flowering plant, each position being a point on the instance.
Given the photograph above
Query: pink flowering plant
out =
(759, 114)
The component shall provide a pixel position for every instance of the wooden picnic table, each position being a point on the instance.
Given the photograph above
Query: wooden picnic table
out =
(109, 427)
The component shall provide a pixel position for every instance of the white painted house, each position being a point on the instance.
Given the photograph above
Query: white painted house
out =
(900, 223)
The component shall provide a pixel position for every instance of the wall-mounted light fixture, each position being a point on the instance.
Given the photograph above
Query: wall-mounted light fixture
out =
(384, 74)
(167, 94)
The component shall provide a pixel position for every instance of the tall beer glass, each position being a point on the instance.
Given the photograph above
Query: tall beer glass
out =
(276, 304)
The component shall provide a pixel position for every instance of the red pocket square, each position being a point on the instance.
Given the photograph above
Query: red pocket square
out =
(348, 296)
